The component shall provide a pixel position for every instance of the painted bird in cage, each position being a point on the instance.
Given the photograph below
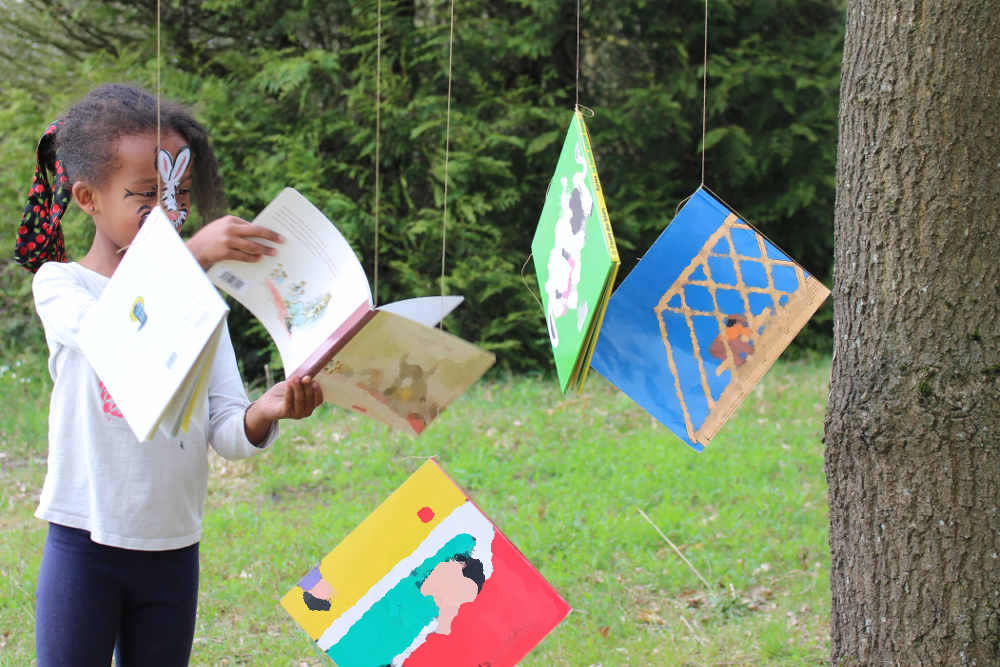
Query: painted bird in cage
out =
(737, 337)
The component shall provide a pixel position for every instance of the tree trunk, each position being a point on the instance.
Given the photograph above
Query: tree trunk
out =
(913, 420)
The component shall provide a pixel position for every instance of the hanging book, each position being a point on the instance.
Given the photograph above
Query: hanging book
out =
(152, 340)
(702, 317)
(390, 363)
(426, 580)
(575, 256)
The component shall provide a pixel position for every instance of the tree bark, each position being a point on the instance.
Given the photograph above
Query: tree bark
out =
(913, 419)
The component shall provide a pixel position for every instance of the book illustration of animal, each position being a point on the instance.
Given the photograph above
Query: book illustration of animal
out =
(408, 394)
(738, 336)
(564, 261)
(295, 309)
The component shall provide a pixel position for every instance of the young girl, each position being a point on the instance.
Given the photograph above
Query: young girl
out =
(119, 571)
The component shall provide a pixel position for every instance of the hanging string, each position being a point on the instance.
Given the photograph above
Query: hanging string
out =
(744, 219)
(576, 106)
(157, 92)
(704, 95)
(378, 136)
(527, 286)
(447, 145)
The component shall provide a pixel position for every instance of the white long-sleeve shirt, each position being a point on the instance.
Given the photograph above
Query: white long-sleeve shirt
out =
(135, 495)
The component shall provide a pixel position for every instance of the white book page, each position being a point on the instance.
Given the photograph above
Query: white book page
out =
(151, 324)
(427, 310)
(188, 403)
(305, 291)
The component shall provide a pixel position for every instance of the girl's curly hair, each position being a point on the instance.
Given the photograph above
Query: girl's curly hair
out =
(86, 141)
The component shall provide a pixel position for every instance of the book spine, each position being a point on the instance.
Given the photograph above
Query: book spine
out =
(329, 348)
(609, 236)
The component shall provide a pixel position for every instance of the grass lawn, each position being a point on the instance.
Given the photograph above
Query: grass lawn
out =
(564, 478)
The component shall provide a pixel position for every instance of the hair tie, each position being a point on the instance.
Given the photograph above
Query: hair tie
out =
(40, 237)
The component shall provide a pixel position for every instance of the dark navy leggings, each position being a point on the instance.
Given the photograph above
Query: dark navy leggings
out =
(94, 600)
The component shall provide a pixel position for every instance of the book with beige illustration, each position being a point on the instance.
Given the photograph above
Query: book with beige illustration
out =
(391, 362)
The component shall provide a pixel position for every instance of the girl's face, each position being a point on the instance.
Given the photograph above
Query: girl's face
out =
(136, 186)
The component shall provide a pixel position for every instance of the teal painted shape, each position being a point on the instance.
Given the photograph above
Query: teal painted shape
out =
(394, 621)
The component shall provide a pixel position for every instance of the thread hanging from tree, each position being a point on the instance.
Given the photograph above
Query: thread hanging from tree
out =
(378, 145)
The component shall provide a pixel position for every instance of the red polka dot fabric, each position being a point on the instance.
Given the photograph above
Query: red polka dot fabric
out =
(40, 237)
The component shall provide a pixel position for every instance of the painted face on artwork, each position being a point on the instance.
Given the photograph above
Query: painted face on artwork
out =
(450, 589)
(323, 589)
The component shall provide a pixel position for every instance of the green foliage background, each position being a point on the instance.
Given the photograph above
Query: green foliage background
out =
(288, 89)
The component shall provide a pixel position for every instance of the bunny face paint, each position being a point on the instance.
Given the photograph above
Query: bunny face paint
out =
(121, 204)
(172, 172)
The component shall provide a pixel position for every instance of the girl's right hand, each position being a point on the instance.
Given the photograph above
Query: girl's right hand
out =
(230, 237)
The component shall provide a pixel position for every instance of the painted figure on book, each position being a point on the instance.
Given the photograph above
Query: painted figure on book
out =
(396, 618)
(408, 394)
(737, 336)
(316, 591)
(565, 258)
(425, 602)
(297, 311)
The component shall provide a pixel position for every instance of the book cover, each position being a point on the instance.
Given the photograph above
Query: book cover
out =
(152, 340)
(702, 317)
(426, 580)
(575, 256)
(390, 363)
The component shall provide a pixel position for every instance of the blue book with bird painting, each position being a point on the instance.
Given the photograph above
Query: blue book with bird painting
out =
(702, 317)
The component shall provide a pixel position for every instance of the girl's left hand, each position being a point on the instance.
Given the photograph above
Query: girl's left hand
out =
(230, 237)
(295, 398)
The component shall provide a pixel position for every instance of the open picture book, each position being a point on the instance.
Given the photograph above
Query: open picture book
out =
(391, 362)
(575, 256)
(152, 335)
(426, 580)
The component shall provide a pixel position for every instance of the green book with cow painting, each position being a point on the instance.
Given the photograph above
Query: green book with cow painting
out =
(575, 256)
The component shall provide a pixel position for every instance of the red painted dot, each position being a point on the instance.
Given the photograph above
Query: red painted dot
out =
(425, 514)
